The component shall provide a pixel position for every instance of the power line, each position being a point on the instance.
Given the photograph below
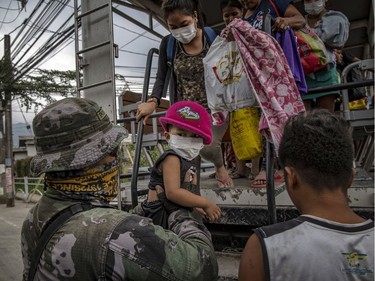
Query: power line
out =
(12, 20)
(10, 2)
(55, 44)
(66, 4)
(49, 14)
(27, 20)
(49, 45)
(58, 51)
(135, 53)
(9, 9)
(15, 29)
(12, 31)
(44, 52)
(137, 33)
(24, 118)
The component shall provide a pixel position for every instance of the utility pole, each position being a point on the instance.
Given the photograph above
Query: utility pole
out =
(9, 185)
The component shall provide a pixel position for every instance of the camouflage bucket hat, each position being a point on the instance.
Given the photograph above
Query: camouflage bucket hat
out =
(72, 134)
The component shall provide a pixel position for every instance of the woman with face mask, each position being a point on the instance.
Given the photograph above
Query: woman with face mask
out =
(333, 28)
(191, 45)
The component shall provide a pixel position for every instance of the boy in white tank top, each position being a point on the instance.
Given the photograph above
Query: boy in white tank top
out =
(328, 241)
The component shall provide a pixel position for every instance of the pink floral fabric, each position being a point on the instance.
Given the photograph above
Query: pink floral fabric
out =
(269, 72)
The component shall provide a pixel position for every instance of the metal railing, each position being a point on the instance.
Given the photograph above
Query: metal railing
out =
(28, 184)
(27, 188)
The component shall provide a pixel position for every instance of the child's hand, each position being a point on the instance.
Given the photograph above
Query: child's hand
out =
(201, 212)
(212, 211)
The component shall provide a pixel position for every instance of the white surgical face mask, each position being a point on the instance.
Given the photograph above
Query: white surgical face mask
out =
(187, 148)
(185, 34)
(314, 8)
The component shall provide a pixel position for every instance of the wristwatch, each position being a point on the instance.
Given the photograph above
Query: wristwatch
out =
(153, 99)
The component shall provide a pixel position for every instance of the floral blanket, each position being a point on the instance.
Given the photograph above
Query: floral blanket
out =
(268, 70)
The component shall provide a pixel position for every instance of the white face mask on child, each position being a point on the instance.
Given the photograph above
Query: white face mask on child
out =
(185, 147)
(314, 8)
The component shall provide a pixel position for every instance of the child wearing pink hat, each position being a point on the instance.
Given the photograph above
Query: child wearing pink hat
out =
(187, 128)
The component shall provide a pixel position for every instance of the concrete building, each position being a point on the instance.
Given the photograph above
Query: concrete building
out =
(26, 148)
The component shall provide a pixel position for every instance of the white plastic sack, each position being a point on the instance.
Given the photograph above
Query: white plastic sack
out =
(227, 86)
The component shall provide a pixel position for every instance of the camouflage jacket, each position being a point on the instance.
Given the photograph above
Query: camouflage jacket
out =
(109, 244)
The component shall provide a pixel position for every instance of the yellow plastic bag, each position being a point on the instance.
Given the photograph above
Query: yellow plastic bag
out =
(358, 104)
(244, 132)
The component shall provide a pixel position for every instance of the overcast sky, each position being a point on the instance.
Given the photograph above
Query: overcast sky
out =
(134, 43)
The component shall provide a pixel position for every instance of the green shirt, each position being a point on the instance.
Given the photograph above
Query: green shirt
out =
(109, 244)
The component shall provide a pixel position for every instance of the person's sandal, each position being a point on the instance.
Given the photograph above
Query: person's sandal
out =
(260, 180)
(279, 177)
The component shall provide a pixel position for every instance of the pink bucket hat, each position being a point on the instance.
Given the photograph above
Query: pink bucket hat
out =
(190, 116)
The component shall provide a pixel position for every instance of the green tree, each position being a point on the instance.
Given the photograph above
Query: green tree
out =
(38, 88)
(43, 86)
(22, 167)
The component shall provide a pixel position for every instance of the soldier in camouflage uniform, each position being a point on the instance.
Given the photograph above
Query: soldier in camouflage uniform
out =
(76, 149)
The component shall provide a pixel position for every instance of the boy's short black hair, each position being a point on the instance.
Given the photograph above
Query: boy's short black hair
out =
(319, 147)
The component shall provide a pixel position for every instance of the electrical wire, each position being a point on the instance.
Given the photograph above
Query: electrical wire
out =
(134, 53)
(45, 46)
(44, 20)
(12, 21)
(49, 14)
(12, 31)
(31, 25)
(9, 9)
(70, 6)
(58, 51)
(10, 2)
(36, 8)
(55, 44)
(68, 32)
(137, 33)
(28, 127)
(48, 44)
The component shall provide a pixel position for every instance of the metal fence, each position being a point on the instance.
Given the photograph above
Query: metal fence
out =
(26, 188)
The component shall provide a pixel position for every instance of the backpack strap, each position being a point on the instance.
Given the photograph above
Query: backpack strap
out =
(210, 33)
(275, 8)
(171, 46)
(50, 229)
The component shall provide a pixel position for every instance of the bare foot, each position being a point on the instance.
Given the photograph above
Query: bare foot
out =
(223, 178)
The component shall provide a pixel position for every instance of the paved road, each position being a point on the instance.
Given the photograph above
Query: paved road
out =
(11, 219)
